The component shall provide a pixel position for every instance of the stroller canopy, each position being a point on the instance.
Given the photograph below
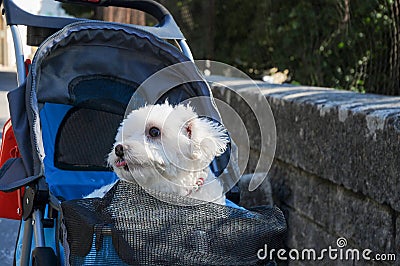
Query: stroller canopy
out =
(89, 70)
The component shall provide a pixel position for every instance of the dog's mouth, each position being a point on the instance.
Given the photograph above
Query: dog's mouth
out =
(121, 163)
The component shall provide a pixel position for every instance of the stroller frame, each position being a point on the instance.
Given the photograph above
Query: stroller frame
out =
(34, 223)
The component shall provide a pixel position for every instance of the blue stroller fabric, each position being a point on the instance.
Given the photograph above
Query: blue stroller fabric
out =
(66, 184)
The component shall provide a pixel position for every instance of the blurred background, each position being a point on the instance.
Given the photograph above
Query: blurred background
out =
(352, 45)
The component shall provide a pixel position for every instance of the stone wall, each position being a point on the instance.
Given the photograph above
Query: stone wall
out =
(336, 171)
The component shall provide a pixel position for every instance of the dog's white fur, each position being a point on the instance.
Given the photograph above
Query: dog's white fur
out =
(177, 161)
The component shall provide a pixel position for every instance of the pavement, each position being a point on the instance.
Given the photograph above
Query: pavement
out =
(8, 228)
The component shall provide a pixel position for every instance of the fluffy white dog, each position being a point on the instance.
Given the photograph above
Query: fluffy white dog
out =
(169, 148)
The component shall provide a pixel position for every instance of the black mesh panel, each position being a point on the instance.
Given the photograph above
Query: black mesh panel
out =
(130, 227)
(85, 138)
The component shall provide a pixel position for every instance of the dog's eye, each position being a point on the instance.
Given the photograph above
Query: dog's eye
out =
(154, 132)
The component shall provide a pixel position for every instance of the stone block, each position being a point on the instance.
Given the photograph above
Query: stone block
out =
(336, 167)
(351, 139)
(397, 250)
(338, 210)
(306, 235)
(303, 234)
(261, 196)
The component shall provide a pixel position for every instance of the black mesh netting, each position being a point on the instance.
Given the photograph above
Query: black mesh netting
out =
(131, 227)
(77, 143)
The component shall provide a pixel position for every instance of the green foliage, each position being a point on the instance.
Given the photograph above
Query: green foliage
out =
(352, 45)
(334, 43)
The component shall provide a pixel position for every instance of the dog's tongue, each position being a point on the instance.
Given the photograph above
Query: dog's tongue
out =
(120, 163)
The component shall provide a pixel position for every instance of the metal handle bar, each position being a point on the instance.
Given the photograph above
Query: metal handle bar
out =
(153, 8)
(166, 28)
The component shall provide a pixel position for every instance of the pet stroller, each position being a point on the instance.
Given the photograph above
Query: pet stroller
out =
(64, 116)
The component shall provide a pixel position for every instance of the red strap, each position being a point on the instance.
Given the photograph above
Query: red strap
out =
(14, 152)
(28, 62)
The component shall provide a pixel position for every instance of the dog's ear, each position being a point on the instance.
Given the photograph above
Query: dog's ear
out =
(209, 139)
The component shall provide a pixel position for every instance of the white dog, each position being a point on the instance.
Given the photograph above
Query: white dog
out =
(169, 148)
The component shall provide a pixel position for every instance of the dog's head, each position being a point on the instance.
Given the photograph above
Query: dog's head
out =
(165, 139)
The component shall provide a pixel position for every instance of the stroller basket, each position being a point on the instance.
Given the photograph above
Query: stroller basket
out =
(110, 231)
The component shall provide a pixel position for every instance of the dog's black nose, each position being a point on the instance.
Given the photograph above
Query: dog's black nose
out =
(119, 150)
